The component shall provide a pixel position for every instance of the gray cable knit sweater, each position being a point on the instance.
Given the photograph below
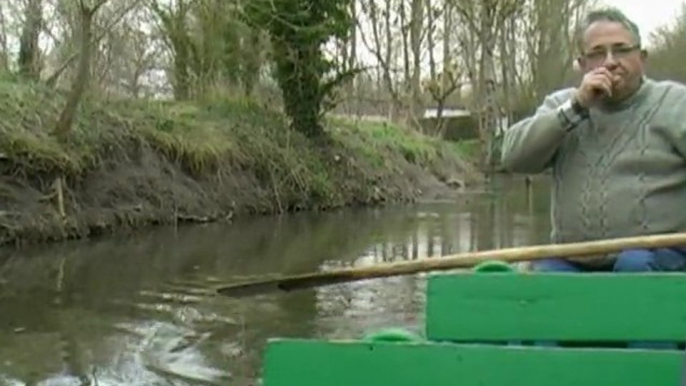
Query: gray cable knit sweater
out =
(621, 172)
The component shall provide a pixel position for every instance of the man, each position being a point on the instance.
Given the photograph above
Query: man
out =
(616, 145)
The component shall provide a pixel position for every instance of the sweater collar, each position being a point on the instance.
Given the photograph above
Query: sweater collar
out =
(632, 100)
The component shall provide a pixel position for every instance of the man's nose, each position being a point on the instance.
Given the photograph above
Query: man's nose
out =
(610, 59)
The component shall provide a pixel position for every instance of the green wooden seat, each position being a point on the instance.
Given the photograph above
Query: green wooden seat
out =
(562, 307)
(469, 316)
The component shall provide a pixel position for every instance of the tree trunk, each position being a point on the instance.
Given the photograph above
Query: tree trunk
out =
(416, 23)
(486, 86)
(66, 119)
(431, 25)
(29, 51)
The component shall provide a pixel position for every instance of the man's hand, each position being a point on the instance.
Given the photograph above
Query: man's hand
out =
(596, 85)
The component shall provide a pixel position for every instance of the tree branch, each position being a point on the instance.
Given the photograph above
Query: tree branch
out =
(52, 79)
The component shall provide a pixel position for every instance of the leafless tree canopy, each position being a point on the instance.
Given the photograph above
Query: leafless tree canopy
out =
(494, 58)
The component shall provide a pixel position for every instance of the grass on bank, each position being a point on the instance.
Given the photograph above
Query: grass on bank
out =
(203, 138)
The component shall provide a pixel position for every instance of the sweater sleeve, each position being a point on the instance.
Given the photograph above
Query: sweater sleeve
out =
(530, 145)
(674, 101)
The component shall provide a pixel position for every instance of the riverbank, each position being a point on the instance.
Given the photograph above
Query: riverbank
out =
(129, 164)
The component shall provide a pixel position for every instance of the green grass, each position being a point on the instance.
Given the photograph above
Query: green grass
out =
(375, 139)
(207, 137)
(468, 149)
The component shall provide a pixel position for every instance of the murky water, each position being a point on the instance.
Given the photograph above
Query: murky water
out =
(131, 310)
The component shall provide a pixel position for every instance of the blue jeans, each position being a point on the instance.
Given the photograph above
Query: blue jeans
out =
(634, 260)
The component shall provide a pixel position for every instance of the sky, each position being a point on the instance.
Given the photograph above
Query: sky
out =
(648, 14)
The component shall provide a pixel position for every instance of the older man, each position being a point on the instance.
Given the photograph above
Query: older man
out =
(616, 145)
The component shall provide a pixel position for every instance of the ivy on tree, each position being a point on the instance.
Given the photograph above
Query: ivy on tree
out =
(298, 29)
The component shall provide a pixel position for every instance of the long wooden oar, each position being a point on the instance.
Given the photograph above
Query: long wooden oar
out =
(460, 260)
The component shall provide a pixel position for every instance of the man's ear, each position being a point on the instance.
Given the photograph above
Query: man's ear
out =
(644, 53)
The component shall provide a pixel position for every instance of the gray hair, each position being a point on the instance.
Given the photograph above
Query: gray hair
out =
(607, 14)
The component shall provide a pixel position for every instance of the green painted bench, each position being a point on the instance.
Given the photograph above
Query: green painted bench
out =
(470, 315)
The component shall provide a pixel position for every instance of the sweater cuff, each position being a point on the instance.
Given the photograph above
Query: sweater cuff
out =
(571, 114)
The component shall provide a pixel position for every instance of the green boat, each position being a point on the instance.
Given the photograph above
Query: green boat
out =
(482, 325)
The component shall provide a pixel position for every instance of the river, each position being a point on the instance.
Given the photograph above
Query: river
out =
(135, 309)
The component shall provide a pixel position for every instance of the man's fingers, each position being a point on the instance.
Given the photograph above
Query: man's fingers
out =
(601, 82)
(607, 85)
(608, 89)
(597, 84)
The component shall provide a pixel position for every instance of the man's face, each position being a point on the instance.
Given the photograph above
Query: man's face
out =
(609, 44)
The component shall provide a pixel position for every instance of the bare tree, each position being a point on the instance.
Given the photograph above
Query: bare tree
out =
(87, 11)
(174, 19)
(486, 18)
(442, 84)
(669, 47)
(29, 51)
(417, 33)
(65, 44)
(4, 46)
(382, 47)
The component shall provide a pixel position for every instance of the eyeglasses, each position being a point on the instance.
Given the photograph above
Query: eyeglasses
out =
(618, 52)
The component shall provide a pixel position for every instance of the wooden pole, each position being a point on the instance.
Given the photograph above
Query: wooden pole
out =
(456, 261)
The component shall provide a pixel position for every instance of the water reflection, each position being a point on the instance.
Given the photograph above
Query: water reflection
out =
(134, 309)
